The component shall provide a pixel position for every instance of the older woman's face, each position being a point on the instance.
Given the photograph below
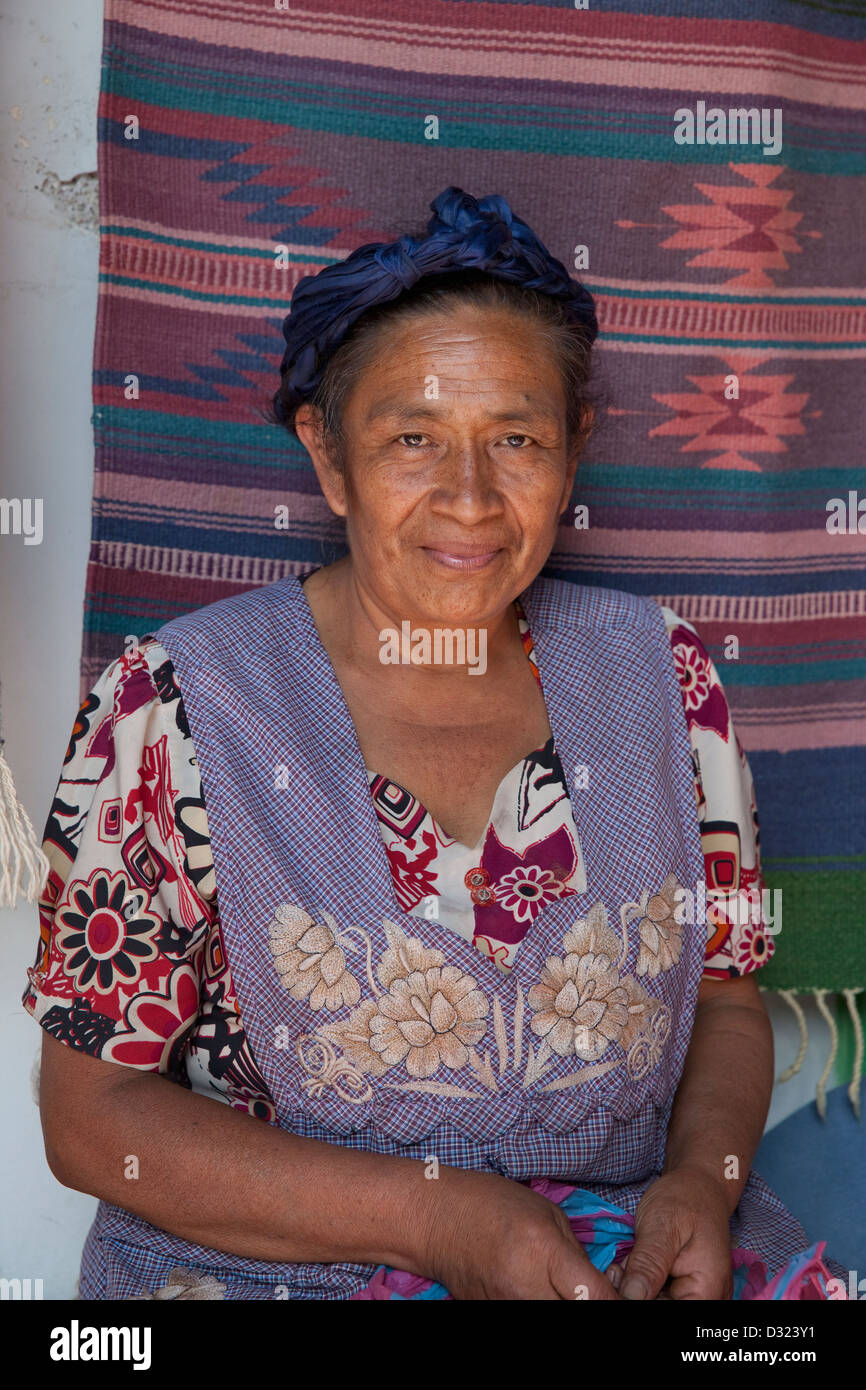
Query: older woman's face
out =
(456, 471)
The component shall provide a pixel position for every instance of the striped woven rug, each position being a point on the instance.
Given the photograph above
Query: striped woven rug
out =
(244, 143)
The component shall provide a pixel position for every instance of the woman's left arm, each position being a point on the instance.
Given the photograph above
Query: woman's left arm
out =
(718, 1117)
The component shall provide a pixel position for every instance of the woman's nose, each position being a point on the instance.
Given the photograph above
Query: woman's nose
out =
(466, 482)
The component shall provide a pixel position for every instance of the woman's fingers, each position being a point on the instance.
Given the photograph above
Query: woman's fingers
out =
(703, 1269)
(574, 1276)
(657, 1244)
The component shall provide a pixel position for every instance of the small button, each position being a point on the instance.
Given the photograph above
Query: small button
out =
(477, 878)
(482, 897)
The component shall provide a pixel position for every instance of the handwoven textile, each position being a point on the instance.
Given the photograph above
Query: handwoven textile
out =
(244, 144)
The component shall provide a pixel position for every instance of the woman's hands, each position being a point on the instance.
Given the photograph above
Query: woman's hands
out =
(488, 1237)
(681, 1233)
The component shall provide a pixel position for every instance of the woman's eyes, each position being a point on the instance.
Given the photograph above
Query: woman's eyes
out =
(413, 435)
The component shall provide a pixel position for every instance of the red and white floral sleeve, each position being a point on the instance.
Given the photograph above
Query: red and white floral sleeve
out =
(737, 938)
(124, 918)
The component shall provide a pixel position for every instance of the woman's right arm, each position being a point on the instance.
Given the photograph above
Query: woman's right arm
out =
(231, 1181)
(218, 1176)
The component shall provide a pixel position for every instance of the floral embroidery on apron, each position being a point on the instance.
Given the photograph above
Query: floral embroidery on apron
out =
(427, 1017)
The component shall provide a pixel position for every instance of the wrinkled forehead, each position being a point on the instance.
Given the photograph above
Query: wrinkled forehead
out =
(498, 363)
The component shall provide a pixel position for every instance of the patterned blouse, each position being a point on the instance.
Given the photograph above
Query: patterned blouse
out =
(131, 965)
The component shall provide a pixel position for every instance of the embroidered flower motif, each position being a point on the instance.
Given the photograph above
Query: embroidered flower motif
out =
(661, 935)
(526, 889)
(592, 935)
(106, 933)
(185, 1284)
(430, 1015)
(429, 1019)
(309, 959)
(353, 1035)
(325, 1068)
(646, 1050)
(580, 1007)
(425, 1015)
(753, 948)
(641, 1009)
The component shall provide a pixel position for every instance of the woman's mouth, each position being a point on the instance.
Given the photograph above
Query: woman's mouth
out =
(462, 557)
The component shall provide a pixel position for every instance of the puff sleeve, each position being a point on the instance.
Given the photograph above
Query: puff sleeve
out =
(124, 914)
(737, 938)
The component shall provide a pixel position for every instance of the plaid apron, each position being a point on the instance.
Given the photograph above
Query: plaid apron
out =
(390, 1033)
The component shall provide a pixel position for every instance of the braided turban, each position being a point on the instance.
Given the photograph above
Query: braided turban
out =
(462, 234)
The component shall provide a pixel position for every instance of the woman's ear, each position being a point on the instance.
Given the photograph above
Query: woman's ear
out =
(576, 448)
(309, 427)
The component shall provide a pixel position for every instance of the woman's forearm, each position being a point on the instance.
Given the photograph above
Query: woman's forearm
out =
(722, 1101)
(229, 1181)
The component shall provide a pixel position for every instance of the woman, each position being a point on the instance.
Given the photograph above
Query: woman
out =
(437, 922)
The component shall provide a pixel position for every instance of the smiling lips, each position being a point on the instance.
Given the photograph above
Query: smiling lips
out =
(462, 557)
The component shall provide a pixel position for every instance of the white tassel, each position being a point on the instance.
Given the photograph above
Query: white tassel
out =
(790, 998)
(20, 852)
(854, 1087)
(821, 1088)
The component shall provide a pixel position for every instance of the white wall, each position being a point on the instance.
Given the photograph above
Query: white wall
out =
(48, 217)
(49, 71)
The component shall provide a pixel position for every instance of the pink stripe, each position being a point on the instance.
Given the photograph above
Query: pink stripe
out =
(778, 546)
(213, 503)
(215, 241)
(289, 33)
(770, 736)
(766, 608)
(246, 311)
(595, 32)
(756, 292)
(727, 351)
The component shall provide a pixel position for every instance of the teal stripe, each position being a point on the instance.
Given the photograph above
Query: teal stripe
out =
(259, 253)
(783, 345)
(792, 673)
(180, 293)
(547, 114)
(674, 480)
(837, 299)
(136, 428)
(189, 429)
(505, 133)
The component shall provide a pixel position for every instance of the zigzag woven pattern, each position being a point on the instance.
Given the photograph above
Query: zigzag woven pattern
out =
(232, 128)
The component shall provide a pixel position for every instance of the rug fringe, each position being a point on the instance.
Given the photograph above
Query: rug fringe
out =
(857, 1073)
(790, 998)
(821, 1088)
(850, 996)
(20, 851)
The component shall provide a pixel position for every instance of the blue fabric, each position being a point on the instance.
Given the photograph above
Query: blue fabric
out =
(818, 1168)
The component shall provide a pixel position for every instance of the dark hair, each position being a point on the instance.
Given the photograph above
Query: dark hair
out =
(568, 340)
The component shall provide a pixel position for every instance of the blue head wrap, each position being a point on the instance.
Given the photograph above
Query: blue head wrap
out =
(462, 234)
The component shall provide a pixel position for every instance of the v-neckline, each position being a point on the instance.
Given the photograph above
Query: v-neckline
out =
(345, 738)
(478, 846)
(371, 773)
